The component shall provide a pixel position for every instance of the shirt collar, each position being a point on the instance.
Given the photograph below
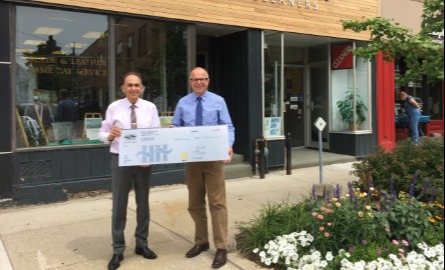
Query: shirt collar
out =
(203, 96)
(128, 103)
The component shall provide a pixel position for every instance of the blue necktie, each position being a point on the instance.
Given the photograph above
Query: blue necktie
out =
(198, 116)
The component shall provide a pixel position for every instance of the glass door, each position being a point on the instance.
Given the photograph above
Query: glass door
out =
(294, 82)
(317, 104)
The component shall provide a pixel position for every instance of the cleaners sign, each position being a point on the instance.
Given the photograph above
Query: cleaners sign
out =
(341, 56)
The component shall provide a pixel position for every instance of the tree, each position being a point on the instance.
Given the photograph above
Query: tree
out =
(422, 52)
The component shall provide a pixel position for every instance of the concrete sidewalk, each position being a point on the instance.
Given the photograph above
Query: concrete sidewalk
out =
(76, 234)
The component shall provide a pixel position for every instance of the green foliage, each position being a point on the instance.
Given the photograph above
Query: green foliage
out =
(423, 55)
(375, 218)
(345, 222)
(420, 165)
(372, 251)
(368, 225)
(273, 220)
(407, 218)
(346, 108)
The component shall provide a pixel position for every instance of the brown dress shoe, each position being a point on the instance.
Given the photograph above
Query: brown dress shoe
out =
(197, 249)
(220, 258)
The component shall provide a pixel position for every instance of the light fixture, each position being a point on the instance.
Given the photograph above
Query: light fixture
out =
(93, 35)
(33, 42)
(47, 31)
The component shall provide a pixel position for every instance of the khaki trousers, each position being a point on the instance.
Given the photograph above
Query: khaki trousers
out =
(207, 178)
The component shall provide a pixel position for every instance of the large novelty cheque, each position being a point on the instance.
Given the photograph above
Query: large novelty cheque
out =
(173, 145)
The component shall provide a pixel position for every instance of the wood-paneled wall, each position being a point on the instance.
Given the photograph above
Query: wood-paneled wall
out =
(280, 15)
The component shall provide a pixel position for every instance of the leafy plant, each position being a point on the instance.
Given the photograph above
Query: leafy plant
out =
(273, 220)
(369, 225)
(408, 166)
(352, 108)
(393, 40)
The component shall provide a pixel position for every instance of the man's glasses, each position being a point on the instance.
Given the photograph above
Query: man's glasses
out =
(199, 79)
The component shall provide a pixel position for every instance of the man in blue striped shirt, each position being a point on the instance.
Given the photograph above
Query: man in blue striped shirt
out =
(202, 107)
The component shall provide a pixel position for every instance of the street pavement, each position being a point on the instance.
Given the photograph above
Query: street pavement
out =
(76, 234)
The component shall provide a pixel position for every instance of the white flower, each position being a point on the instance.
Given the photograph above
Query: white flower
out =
(329, 257)
(285, 250)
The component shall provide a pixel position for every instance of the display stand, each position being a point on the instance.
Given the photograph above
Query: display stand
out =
(31, 128)
(92, 123)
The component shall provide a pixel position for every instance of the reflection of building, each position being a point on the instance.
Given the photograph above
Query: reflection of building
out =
(271, 61)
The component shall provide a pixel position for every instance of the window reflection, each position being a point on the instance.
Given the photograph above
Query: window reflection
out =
(158, 51)
(272, 84)
(58, 50)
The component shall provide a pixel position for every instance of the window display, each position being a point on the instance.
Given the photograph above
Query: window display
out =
(62, 71)
(350, 91)
(272, 84)
(59, 67)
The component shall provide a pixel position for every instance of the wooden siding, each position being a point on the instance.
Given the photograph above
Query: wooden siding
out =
(261, 14)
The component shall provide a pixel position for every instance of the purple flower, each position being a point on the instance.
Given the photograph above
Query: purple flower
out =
(351, 249)
(411, 190)
(433, 193)
(415, 177)
(337, 191)
(350, 191)
(391, 185)
(364, 242)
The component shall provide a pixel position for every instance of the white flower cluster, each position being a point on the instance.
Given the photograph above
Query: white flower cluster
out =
(431, 259)
(289, 251)
(285, 249)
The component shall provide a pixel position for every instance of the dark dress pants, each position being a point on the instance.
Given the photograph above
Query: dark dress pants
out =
(122, 180)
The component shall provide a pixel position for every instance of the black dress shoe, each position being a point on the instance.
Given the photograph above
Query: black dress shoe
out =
(146, 253)
(220, 258)
(197, 249)
(115, 261)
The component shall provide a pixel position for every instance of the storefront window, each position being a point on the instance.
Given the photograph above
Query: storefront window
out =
(273, 43)
(64, 55)
(350, 90)
(158, 51)
(59, 55)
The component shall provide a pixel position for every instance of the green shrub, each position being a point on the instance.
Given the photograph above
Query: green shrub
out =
(408, 163)
(369, 225)
(273, 220)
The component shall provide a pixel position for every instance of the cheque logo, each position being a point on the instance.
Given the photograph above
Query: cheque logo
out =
(130, 137)
(154, 153)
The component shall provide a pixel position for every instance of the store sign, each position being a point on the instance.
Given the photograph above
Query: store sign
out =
(64, 65)
(307, 4)
(341, 56)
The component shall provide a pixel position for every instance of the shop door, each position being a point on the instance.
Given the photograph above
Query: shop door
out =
(317, 105)
(294, 77)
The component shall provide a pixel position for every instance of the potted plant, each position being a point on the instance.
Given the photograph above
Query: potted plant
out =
(346, 109)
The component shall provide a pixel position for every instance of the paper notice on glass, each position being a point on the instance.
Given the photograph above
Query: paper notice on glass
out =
(173, 145)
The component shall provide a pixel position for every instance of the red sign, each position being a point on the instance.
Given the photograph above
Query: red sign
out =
(341, 56)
